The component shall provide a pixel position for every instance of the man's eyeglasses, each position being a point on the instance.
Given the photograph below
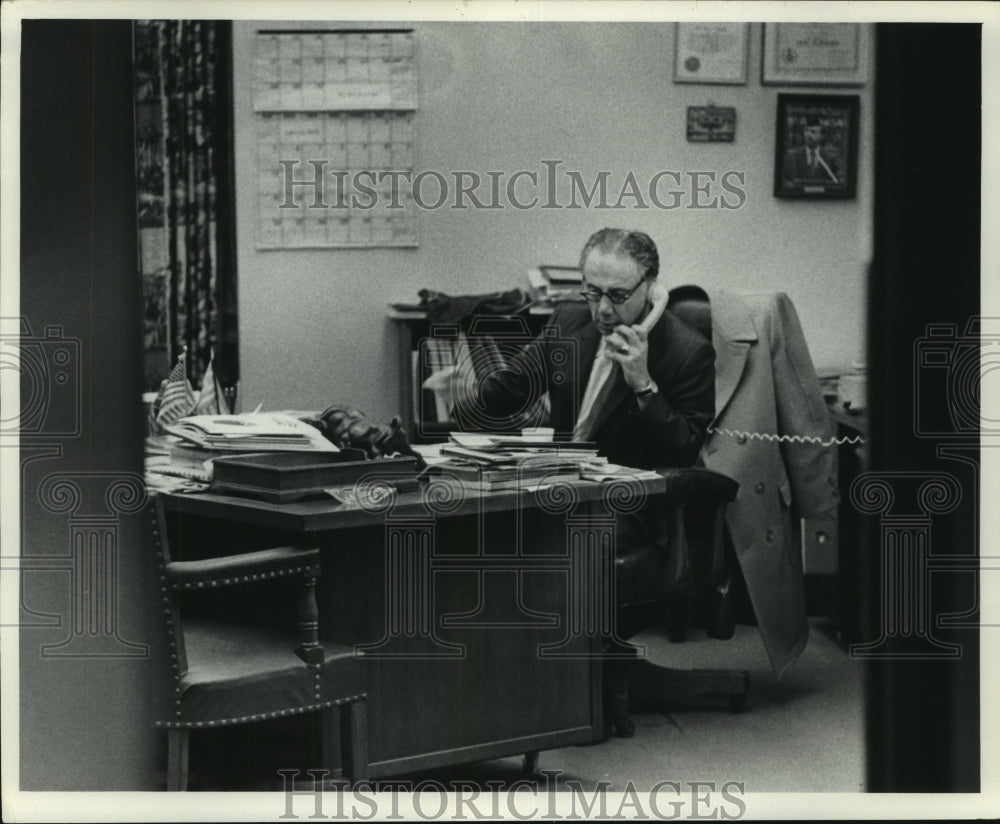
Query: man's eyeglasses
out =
(616, 296)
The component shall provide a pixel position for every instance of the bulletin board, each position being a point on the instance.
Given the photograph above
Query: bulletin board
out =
(337, 107)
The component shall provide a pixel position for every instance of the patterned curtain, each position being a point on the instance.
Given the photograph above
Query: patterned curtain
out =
(194, 68)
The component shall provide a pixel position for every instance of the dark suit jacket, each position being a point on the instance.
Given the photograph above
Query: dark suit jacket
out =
(796, 167)
(668, 432)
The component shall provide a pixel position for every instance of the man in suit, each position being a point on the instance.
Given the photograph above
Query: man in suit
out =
(810, 161)
(645, 399)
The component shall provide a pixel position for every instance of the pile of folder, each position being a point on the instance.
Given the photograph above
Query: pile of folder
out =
(193, 442)
(253, 432)
(494, 463)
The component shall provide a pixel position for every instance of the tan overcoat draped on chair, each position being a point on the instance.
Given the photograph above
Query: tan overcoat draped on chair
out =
(765, 389)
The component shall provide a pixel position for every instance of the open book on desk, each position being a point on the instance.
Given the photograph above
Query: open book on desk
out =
(252, 432)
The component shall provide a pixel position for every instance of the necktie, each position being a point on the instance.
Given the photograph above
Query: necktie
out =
(598, 389)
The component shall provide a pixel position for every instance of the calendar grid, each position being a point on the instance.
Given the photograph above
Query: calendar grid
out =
(334, 113)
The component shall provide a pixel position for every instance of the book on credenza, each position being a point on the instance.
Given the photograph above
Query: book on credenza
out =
(554, 284)
(251, 432)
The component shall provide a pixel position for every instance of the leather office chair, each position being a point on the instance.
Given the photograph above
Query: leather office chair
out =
(650, 587)
(691, 305)
(226, 672)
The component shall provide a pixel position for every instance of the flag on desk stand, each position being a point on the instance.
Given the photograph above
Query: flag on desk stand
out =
(211, 400)
(152, 427)
(176, 395)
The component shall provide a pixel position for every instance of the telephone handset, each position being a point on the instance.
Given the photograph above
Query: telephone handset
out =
(660, 296)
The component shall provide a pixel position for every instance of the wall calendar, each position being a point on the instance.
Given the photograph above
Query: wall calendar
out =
(334, 115)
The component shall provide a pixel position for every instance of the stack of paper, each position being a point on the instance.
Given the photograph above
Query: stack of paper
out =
(169, 471)
(510, 462)
(486, 442)
(252, 432)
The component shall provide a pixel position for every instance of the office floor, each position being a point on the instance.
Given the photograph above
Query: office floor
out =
(802, 734)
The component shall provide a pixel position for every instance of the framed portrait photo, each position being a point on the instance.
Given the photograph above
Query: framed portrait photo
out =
(816, 147)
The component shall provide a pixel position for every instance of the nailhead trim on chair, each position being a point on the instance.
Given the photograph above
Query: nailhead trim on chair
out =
(165, 587)
(261, 716)
(171, 636)
(246, 579)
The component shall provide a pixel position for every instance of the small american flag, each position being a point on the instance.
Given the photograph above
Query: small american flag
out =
(176, 397)
(211, 400)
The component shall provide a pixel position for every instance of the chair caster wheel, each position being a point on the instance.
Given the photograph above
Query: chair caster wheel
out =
(623, 728)
(531, 763)
(737, 701)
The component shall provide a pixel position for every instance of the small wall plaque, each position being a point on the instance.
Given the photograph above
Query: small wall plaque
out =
(711, 124)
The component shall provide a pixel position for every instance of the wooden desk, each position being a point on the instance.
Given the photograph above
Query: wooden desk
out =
(478, 614)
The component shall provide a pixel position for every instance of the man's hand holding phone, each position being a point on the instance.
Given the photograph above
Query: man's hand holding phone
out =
(629, 347)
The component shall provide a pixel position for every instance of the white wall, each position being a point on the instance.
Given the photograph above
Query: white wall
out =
(504, 97)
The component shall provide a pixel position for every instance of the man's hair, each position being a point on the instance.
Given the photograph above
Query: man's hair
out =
(635, 245)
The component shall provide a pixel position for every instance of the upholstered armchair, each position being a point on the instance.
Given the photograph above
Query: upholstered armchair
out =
(228, 671)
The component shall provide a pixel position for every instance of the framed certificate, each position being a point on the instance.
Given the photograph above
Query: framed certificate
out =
(816, 54)
(711, 53)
